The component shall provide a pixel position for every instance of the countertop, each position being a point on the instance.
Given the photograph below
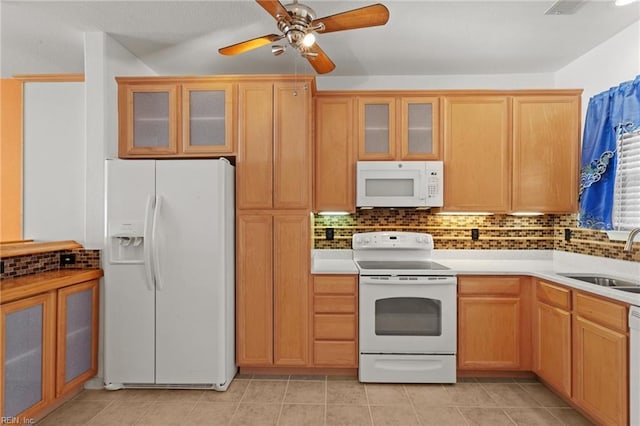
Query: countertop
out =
(30, 285)
(544, 264)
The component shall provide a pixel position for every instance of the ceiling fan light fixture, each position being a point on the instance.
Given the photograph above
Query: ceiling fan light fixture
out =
(309, 39)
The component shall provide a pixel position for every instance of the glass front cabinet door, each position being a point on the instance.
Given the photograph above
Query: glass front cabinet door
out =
(419, 128)
(27, 356)
(207, 120)
(77, 336)
(376, 128)
(398, 128)
(181, 118)
(148, 120)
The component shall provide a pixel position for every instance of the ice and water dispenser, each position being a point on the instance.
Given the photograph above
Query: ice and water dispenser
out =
(127, 242)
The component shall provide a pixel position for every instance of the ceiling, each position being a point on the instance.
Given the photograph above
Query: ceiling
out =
(421, 38)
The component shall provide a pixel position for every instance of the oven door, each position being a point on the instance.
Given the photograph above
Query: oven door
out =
(407, 315)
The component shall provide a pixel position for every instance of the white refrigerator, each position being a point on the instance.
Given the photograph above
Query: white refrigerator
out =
(169, 274)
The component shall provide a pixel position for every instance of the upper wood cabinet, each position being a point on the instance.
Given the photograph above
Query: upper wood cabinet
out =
(274, 163)
(546, 144)
(398, 128)
(175, 118)
(477, 176)
(334, 183)
(512, 153)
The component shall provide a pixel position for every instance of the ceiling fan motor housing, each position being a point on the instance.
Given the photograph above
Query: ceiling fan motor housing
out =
(296, 25)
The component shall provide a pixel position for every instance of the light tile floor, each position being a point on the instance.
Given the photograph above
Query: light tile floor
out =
(318, 400)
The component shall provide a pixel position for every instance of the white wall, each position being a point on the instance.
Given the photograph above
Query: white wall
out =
(54, 167)
(105, 58)
(607, 65)
(436, 82)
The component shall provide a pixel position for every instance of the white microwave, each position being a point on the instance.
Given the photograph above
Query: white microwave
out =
(399, 184)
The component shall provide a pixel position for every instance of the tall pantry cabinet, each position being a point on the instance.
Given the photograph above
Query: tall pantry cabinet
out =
(273, 202)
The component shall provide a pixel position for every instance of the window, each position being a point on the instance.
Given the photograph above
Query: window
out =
(626, 200)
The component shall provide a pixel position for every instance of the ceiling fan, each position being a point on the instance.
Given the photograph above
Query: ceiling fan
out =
(298, 22)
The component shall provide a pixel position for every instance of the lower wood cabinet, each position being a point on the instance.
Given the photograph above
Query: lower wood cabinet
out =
(600, 359)
(49, 348)
(335, 321)
(493, 323)
(77, 343)
(272, 289)
(552, 336)
(581, 348)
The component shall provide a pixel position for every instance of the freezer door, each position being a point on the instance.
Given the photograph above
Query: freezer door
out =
(129, 297)
(192, 253)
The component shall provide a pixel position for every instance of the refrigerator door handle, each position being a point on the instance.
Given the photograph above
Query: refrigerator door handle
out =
(148, 216)
(156, 243)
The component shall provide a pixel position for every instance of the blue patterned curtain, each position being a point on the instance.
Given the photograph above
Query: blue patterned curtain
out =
(609, 115)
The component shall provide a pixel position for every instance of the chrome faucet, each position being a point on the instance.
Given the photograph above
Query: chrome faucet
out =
(632, 236)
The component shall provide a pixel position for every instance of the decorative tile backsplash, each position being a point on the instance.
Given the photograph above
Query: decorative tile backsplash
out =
(43, 262)
(499, 232)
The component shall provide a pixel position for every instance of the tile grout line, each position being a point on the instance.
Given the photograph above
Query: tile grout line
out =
(366, 395)
(284, 395)
(415, 413)
(195, 403)
(239, 401)
(326, 398)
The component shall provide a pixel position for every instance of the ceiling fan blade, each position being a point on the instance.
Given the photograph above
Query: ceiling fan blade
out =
(245, 46)
(273, 7)
(368, 16)
(320, 62)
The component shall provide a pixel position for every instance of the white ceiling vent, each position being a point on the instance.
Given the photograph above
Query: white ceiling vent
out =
(564, 7)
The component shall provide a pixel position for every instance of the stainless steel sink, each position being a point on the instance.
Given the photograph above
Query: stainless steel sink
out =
(634, 289)
(605, 281)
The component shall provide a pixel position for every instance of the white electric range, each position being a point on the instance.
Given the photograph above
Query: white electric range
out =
(407, 310)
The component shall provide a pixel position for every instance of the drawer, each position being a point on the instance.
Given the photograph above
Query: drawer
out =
(335, 354)
(554, 295)
(334, 327)
(604, 312)
(334, 304)
(489, 285)
(335, 284)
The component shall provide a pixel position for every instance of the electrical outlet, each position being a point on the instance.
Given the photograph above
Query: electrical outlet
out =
(328, 234)
(67, 259)
(475, 234)
(567, 234)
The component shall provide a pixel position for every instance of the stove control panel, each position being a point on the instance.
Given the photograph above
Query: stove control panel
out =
(392, 240)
